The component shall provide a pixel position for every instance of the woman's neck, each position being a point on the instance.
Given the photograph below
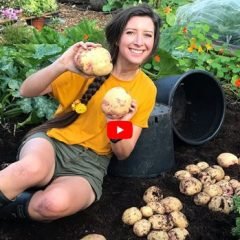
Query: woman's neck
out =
(125, 74)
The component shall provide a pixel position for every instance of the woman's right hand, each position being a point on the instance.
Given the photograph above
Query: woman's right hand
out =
(68, 58)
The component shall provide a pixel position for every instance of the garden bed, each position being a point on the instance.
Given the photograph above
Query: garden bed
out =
(119, 193)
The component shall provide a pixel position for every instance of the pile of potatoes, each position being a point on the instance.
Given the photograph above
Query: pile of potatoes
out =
(208, 185)
(160, 218)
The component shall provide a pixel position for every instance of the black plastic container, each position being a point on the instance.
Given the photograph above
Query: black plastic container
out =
(154, 151)
(198, 105)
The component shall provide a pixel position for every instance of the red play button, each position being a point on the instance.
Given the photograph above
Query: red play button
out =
(119, 129)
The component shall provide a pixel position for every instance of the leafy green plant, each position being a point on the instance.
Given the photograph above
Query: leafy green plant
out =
(236, 229)
(38, 7)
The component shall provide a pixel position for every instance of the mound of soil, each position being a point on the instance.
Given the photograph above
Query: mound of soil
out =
(119, 193)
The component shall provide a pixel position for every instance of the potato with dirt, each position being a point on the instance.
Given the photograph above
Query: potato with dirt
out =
(226, 159)
(153, 194)
(157, 235)
(190, 186)
(182, 174)
(142, 227)
(131, 215)
(157, 207)
(222, 204)
(94, 61)
(179, 219)
(171, 204)
(201, 199)
(116, 102)
(178, 234)
(161, 222)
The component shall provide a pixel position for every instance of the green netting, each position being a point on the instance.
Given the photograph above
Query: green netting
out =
(223, 16)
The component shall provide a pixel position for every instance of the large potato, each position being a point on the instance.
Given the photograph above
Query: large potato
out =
(93, 236)
(153, 194)
(222, 204)
(131, 215)
(190, 186)
(161, 222)
(201, 198)
(171, 204)
(213, 190)
(116, 102)
(227, 159)
(178, 234)
(216, 172)
(179, 219)
(157, 235)
(94, 61)
(142, 227)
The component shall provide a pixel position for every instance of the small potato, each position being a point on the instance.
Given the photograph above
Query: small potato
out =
(131, 215)
(152, 194)
(161, 222)
(93, 236)
(157, 235)
(202, 165)
(221, 204)
(142, 227)
(227, 178)
(179, 219)
(146, 211)
(157, 207)
(225, 160)
(234, 183)
(182, 174)
(171, 204)
(193, 169)
(201, 198)
(190, 186)
(213, 190)
(178, 234)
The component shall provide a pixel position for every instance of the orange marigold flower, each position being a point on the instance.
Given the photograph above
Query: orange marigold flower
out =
(85, 37)
(190, 49)
(185, 30)
(157, 58)
(167, 10)
(237, 82)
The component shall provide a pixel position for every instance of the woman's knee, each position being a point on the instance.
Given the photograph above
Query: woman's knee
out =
(52, 205)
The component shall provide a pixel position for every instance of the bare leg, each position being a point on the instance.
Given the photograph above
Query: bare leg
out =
(35, 168)
(63, 197)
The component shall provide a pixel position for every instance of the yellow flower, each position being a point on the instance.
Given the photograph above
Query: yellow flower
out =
(190, 49)
(200, 49)
(79, 107)
(208, 46)
(167, 10)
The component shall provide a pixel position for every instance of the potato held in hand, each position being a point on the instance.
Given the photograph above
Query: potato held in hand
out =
(94, 61)
(116, 102)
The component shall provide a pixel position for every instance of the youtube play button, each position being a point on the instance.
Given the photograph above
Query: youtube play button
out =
(119, 129)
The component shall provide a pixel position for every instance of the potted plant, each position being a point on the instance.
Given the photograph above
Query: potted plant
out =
(38, 9)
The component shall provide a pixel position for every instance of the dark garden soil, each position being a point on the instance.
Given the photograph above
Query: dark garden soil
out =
(119, 193)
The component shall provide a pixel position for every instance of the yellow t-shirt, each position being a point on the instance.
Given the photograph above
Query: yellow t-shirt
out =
(89, 130)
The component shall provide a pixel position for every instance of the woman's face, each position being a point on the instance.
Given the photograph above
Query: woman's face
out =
(136, 42)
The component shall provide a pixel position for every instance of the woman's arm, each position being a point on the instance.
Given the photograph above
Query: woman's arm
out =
(39, 83)
(123, 148)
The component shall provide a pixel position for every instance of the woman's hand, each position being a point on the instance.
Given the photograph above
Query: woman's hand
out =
(127, 117)
(68, 58)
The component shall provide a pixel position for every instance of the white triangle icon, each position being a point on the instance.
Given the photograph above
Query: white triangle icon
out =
(119, 130)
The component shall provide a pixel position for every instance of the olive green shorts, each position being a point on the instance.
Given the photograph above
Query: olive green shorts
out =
(77, 160)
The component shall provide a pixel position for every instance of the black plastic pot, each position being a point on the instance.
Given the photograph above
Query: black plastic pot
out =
(154, 151)
(198, 105)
